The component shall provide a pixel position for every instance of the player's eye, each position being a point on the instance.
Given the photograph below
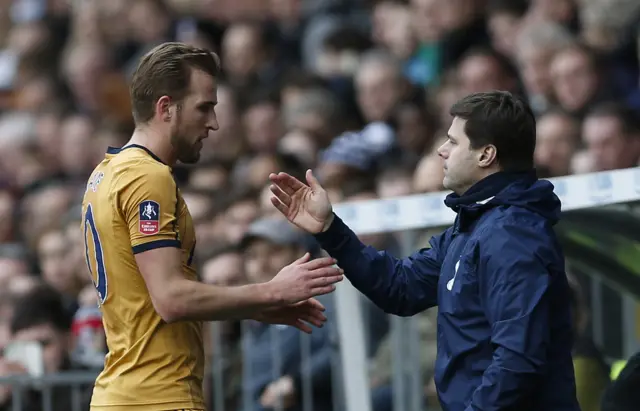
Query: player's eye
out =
(206, 108)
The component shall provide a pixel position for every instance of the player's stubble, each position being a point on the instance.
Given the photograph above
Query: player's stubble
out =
(186, 151)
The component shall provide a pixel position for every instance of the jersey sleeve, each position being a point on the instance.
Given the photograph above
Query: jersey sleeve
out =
(148, 200)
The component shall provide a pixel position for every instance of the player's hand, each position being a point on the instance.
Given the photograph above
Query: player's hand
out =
(280, 391)
(306, 278)
(305, 205)
(298, 315)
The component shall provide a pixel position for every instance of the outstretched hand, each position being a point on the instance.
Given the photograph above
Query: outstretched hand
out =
(298, 315)
(306, 278)
(305, 205)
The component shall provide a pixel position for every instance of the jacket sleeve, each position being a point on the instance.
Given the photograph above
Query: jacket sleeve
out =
(514, 294)
(398, 286)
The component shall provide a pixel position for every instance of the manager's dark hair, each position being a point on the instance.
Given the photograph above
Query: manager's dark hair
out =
(503, 120)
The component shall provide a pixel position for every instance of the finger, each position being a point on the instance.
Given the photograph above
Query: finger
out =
(323, 290)
(315, 304)
(315, 315)
(289, 183)
(277, 178)
(308, 308)
(322, 272)
(281, 195)
(305, 305)
(315, 320)
(280, 206)
(313, 181)
(318, 263)
(325, 281)
(305, 312)
(286, 182)
(302, 326)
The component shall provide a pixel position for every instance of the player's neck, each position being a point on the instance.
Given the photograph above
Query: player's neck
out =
(155, 142)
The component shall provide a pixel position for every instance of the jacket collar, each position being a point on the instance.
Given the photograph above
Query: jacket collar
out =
(479, 197)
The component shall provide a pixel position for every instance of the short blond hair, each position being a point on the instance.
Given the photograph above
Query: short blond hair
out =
(166, 71)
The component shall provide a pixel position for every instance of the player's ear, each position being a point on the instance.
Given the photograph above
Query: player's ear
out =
(163, 108)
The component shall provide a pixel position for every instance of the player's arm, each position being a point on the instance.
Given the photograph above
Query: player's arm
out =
(148, 203)
(176, 298)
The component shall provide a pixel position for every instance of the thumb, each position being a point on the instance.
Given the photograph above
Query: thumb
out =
(302, 259)
(313, 181)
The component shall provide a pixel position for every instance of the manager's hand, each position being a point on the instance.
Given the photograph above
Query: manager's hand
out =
(305, 205)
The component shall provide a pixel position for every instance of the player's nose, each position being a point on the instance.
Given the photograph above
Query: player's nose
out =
(212, 124)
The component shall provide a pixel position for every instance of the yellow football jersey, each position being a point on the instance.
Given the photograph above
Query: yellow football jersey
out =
(131, 205)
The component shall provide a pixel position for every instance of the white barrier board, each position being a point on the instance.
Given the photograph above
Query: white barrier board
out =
(428, 210)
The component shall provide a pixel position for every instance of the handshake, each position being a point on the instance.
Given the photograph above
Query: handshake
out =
(308, 207)
(295, 286)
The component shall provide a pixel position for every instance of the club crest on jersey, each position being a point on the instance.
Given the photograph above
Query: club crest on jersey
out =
(149, 215)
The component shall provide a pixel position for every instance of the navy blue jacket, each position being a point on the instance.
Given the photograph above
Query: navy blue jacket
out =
(498, 279)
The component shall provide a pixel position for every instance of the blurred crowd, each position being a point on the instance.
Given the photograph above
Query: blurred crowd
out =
(358, 90)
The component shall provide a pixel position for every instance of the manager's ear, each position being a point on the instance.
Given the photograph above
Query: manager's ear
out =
(487, 156)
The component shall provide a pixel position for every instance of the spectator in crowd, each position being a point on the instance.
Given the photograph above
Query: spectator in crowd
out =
(14, 263)
(6, 311)
(557, 139)
(578, 79)
(89, 345)
(382, 365)
(611, 134)
(485, 69)
(591, 370)
(224, 266)
(40, 317)
(536, 46)
(7, 210)
(269, 245)
(505, 18)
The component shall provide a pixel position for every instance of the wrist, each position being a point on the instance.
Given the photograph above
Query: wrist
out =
(328, 222)
(269, 294)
